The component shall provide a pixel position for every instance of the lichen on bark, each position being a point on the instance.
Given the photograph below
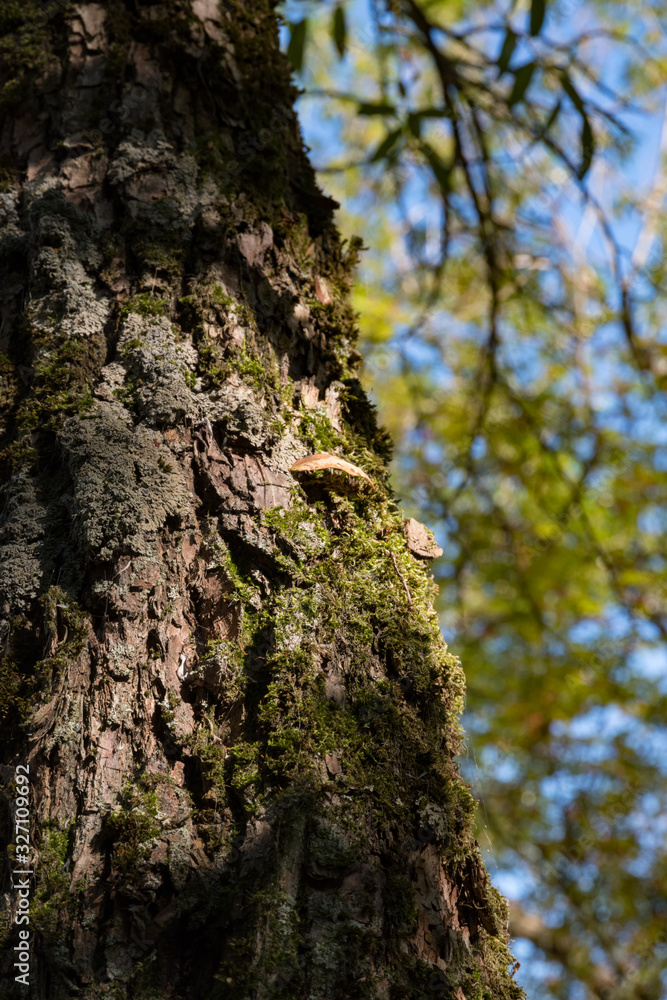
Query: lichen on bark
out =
(229, 680)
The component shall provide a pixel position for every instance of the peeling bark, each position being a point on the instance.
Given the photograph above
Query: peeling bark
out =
(240, 733)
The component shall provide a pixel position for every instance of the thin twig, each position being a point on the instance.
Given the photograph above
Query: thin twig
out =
(214, 735)
(402, 579)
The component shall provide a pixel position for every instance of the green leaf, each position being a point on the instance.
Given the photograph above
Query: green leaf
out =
(339, 30)
(507, 51)
(388, 144)
(537, 12)
(587, 147)
(522, 77)
(587, 134)
(297, 43)
(376, 109)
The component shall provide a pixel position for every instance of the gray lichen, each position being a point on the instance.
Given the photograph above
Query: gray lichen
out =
(121, 493)
(23, 529)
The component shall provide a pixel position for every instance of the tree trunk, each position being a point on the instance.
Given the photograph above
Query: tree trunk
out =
(224, 682)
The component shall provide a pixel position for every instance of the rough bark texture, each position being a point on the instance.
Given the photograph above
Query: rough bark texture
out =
(230, 685)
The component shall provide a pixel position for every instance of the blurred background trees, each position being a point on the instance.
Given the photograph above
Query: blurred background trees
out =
(505, 166)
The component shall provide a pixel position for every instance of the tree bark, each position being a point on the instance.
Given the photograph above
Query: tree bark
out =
(225, 682)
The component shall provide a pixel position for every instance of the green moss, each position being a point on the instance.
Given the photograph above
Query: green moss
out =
(210, 366)
(143, 305)
(368, 446)
(132, 827)
(19, 454)
(220, 297)
(274, 911)
(244, 589)
(189, 377)
(167, 708)
(268, 953)
(59, 609)
(192, 310)
(210, 304)
(167, 261)
(27, 677)
(10, 175)
(225, 657)
(26, 37)
(497, 960)
(392, 728)
(205, 297)
(330, 849)
(142, 983)
(244, 769)
(299, 531)
(300, 245)
(385, 729)
(317, 431)
(157, 239)
(127, 393)
(52, 898)
(60, 387)
(249, 367)
(130, 346)
(212, 759)
(400, 906)
(14, 698)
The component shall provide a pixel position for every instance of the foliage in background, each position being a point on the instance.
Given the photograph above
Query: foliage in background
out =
(502, 164)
